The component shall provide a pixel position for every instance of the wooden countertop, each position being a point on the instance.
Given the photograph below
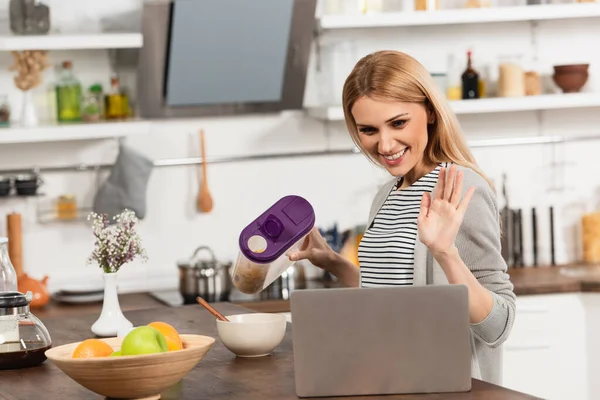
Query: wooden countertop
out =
(549, 280)
(527, 281)
(219, 376)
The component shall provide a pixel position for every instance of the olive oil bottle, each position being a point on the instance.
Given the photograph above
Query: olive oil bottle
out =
(68, 95)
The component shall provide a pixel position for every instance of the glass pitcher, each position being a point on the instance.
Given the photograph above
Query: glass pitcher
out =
(23, 337)
(266, 242)
(8, 275)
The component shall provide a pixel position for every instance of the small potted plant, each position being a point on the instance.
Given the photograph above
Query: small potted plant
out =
(116, 245)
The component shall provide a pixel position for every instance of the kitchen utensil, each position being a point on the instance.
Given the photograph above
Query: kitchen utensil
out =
(204, 200)
(265, 243)
(252, 335)
(210, 309)
(207, 278)
(506, 220)
(8, 275)
(552, 250)
(517, 245)
(131, 377)
(5, 186)
(28, 184)
(25, 339)
(535, 240)
(15, 250)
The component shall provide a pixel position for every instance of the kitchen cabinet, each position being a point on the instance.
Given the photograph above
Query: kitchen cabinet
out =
(547, 353)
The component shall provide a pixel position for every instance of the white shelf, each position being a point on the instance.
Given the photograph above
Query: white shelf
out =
(71, 41)
(492, 105)
(461, 16)
(75, 131)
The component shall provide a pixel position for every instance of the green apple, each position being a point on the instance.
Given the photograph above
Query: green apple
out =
(143, 340)
(116, 353)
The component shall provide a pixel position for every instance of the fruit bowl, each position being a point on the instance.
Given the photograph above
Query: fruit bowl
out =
(142, 376)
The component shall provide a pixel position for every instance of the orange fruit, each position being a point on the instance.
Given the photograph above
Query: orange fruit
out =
(171, 335)
(92, 348)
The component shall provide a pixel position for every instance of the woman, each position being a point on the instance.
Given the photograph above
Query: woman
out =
(436, 222)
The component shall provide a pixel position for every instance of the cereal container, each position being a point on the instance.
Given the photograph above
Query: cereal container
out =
(268, 240)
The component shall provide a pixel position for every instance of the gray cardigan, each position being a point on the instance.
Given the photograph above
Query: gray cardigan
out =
(478, 243)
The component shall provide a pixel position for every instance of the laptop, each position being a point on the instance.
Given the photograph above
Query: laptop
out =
(378, 341)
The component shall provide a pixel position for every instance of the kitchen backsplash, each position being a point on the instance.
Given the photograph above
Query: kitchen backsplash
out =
(341, 187)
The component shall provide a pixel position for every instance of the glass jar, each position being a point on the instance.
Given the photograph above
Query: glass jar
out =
(92, 108)
(66, 207)
(4, 111)
(8, 275)
(25, 339)
(511, 77)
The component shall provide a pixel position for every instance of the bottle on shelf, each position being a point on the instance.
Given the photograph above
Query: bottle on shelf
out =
(93, 104)
(470, 80)
(454, 86)
(68, 95)
(116, 103)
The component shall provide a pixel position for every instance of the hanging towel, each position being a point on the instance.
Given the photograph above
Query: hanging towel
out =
(126, 185)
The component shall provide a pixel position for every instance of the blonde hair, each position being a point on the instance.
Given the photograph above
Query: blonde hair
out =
(395, 75)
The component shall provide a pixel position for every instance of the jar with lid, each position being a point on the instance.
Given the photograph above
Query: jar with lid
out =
(25, 338)
(266, 243)
(8, 275)
(511, 77)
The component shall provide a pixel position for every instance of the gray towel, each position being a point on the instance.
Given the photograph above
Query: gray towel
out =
(126, 185)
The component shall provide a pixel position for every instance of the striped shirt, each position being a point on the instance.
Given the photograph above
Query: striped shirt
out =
(386, 251)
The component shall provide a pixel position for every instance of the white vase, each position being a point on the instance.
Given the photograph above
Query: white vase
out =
(28, 113)
(111, 318)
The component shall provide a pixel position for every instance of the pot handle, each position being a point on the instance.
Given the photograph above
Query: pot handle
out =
(199, 249)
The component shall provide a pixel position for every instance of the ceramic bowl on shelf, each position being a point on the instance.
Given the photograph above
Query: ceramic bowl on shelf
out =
(570, 82)
(252, 335)
(571, 68)
(571, 77)
(131, 377)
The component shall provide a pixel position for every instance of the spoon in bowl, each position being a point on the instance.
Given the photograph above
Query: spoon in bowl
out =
(210, 309)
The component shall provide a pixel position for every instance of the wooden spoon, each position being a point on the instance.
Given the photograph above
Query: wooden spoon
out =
(214, 312)
(204, 202)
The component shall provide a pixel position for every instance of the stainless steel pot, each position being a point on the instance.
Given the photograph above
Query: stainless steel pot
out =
(209, 279)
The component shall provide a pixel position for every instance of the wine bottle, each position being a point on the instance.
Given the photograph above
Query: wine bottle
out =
(470, 80)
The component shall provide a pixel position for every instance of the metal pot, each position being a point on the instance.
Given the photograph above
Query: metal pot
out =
(208, 279)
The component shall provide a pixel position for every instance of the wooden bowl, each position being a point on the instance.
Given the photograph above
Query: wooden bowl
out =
(131, 377)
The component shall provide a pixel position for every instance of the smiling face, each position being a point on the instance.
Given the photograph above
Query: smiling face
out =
(395, 134)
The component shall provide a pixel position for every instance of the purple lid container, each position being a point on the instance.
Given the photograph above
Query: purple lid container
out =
(282, 225)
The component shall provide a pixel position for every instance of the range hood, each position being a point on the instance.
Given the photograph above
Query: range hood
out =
(223, 57)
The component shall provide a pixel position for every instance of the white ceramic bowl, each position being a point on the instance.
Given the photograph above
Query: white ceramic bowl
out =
(252, 335)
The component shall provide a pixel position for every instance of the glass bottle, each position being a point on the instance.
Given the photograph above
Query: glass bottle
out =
(8, 275)
(470, 80)
(454, 86)
(68, 95)
(92, 104)
(116, 104)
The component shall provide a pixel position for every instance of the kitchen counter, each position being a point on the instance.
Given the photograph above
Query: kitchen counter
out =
(555, 279)
(527, 281)
(220, 375)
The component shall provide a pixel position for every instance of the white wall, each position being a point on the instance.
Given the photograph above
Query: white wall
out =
(340, 188)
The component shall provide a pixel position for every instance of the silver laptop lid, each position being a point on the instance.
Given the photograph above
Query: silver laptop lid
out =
(388, 340)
